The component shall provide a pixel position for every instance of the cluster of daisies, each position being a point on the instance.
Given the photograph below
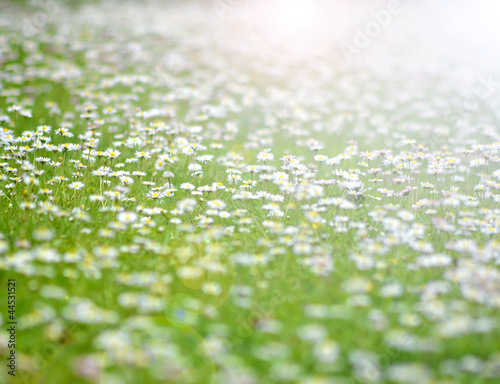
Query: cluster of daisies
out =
(178, 208)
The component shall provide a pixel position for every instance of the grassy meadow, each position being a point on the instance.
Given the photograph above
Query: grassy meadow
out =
(176, 207)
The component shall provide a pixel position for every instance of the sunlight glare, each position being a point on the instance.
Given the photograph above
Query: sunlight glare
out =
(299, 28)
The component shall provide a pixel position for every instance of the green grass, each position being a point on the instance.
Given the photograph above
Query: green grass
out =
(271, 311)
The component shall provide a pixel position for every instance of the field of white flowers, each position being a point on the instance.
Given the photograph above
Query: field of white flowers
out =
(181, 206)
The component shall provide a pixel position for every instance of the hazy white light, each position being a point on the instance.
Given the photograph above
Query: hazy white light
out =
(295, 27)
(295, 17)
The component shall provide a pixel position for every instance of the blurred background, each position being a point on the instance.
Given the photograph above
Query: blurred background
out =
(466, 31)
(395, 38)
